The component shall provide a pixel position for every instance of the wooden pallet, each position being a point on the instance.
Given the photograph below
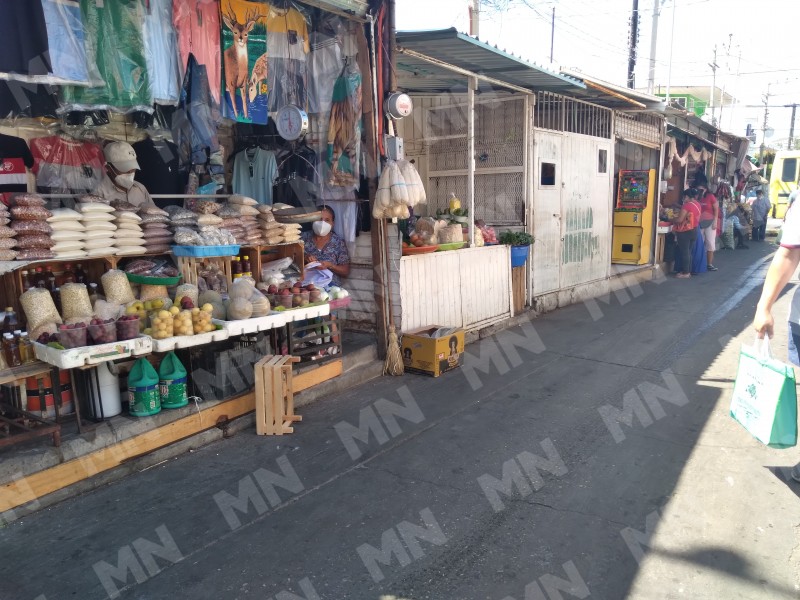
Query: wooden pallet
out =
(190, 265)
(274, 396)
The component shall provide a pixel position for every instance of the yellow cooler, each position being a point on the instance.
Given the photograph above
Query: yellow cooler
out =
(633, 217)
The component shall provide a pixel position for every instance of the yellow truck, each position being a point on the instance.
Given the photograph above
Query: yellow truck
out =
(783, 180)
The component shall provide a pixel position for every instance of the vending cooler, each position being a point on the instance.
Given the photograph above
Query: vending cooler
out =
(633, 217)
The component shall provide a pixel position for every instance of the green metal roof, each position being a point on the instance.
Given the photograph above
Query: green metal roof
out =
(460, 50)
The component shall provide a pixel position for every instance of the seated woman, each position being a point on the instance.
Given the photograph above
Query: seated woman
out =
(323, 246)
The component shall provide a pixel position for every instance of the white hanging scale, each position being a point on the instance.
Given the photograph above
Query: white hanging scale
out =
(292, 122)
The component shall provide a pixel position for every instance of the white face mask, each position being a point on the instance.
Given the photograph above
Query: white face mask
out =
(321, 228)
(125, 180)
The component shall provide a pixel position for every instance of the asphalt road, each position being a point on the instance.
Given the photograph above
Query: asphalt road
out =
(514, 478)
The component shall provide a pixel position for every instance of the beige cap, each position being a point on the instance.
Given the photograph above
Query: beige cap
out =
(122, 156)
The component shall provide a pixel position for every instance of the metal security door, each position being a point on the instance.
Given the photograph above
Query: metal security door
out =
(547, 189)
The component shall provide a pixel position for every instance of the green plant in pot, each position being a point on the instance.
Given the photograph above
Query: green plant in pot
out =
(516, 238)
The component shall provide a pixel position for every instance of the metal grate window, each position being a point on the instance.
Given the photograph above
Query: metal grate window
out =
(560, 113)
(639, 128)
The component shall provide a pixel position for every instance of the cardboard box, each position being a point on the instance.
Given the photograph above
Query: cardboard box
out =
(433, 355)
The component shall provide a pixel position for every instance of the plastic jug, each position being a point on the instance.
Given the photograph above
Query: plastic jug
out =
(172, 382)
(143, 389)
(105, 397)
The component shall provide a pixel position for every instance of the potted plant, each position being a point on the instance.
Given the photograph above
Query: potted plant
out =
(519, 241)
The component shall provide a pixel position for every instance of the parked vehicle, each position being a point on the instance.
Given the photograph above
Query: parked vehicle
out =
(783, 180)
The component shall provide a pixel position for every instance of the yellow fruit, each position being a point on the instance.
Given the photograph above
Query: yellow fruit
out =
(131, 310)
(164, 314)
(207, 307)
(148, 305)
(158, 303)
(174, 310)
(195, 311)
(148, 331)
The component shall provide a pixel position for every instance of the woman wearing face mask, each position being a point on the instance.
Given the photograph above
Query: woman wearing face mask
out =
(323, 246)
(121, 167)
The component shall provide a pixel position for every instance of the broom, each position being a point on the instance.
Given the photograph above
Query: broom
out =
(394, 359)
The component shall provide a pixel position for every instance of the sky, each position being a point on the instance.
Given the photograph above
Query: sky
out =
(756, 45)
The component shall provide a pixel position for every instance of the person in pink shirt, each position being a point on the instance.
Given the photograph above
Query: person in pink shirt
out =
(685, 229)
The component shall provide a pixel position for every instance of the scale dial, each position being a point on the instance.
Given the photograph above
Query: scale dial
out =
(292, 122)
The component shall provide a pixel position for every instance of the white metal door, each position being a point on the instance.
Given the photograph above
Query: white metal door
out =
(585, 223)
(547, 188)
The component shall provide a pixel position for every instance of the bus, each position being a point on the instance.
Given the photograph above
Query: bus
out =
(783, 180)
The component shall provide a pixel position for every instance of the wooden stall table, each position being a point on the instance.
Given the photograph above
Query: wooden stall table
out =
(14, 422)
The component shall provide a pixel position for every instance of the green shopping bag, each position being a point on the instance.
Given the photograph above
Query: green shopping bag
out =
(765, 397)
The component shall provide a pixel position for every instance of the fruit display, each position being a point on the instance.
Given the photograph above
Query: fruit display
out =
(183, 323)
(72, 336)
(103, 331)
(127, 327)
(201, 319)
(161, 324)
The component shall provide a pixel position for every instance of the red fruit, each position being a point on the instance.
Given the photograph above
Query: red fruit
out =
(273, 289)
(310, 287)
(286, 292)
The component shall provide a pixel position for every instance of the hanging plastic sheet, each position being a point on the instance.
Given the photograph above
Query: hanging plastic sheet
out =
(244, 46)
(114, 34)
(325, 64)
(25, 47)
(344, 133)
(66, 36)
(289, 46)
(22, 99)
(198, 27)
(194, 124)
(161, 49)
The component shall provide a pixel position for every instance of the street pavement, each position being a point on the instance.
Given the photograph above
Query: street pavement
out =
(519, 476)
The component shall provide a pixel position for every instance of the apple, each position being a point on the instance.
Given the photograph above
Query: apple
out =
(273, 289)
(286, 292)
(310, 287)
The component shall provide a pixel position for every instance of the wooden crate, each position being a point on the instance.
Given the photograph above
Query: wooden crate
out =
(274, 395)
(190, 265)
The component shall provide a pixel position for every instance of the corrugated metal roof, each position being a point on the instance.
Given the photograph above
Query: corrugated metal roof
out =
(465, 52)
(607, 94)
(357, 8)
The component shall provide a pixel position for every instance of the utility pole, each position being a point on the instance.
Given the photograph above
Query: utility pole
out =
(474, 17)
(764, 129)
(633, 42)
(552, 34)
(671, 44)
(791, 126)
(714, 66)
(651, 76)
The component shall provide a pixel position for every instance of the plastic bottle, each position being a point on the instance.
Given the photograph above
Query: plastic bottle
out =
(236, 267)
(10, 320)
(246, 270)
(93, 293)
(80, 274)
(26, 281)
(172, 382)
(39, 280)
(143, 388)
(12, 351)
(23, 349)
(69, 275)
(455, 203)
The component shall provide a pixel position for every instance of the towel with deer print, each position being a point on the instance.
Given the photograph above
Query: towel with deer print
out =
(244, 50)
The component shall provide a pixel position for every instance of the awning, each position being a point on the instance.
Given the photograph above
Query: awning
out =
(702, 140)
(614, 96)
(439, 61)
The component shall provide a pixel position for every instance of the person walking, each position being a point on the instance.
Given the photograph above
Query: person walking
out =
(761, 208)
(686, 230)
(709, 217)
(783, 266)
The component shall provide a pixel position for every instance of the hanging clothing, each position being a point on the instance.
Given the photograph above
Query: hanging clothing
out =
(161, 50)
(66, 37)
(23, 30)
(115, 29)
(288, 50)
(346, 217)
(64, 166)
(194, 126)
(160, 168)
(21, 99)
(244, 43)
(254, 172)
(325, 65)
(297, 182)
(197, 24)
(15, 159)
(344, 133)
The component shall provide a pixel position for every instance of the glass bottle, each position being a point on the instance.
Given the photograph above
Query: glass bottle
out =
(50, 278)
(56, 294)
(26, 281)
(80, 274)
(10, 320)
(30, 353)
(236, 267)
(23, 350)
(39, 280)
(246, 267)
(93, 293)
(69, 275)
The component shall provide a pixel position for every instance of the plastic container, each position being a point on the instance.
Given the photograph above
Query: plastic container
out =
(105, 396)
(149, 280)
(161, 323)
(127, 327)
(144, 396)
(104, 333)
(75, 337)
(172, 382)
(182, 324)
(205, 250)
(284, 301)
(300, 299)
(519, 255)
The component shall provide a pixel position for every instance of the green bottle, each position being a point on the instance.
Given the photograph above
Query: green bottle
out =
(172, 382)
(145, 399)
